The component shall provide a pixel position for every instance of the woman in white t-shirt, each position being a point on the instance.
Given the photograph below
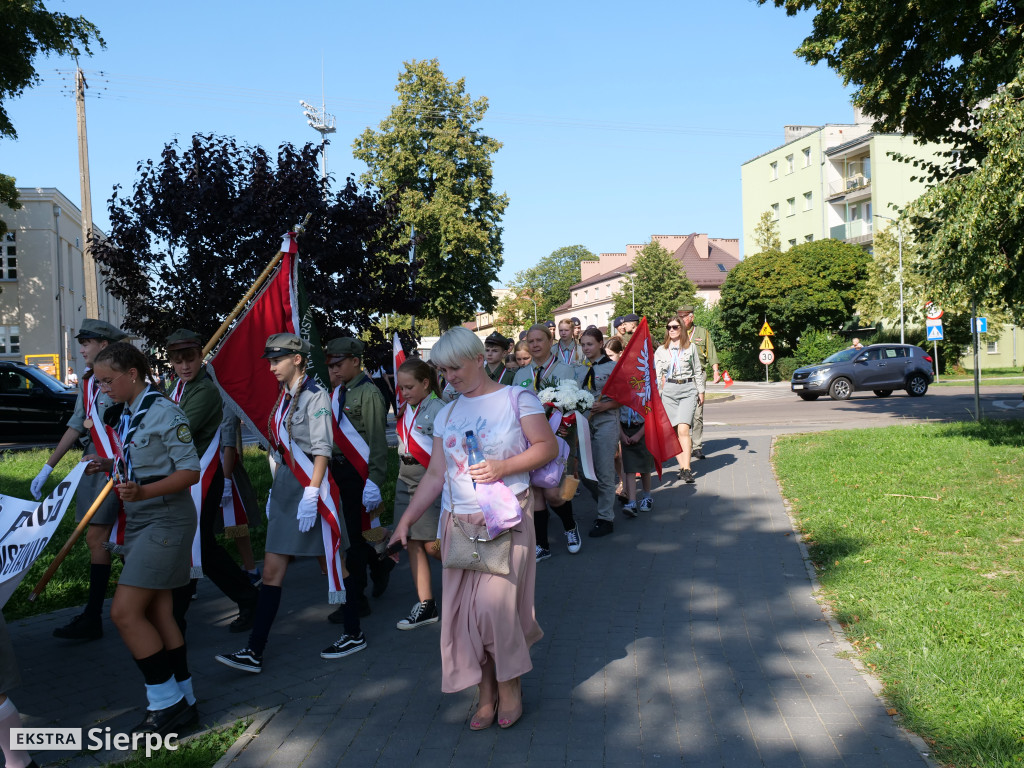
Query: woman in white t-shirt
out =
(487, 622)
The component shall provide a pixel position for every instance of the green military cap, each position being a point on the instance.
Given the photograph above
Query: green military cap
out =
(99, 329)
(497, 340)
(686, 309)
(184, 339)
(344, 347)
(281, 344)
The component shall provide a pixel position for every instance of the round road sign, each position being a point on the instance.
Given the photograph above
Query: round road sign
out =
(767, 357)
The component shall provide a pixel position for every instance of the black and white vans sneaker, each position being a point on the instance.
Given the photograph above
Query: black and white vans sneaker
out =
(422, 614)
(245, 660)
(346, 645)
(573, 540)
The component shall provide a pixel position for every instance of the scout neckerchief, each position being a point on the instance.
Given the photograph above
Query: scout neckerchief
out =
(501, 371)
(541, 372)
(588, 380)
(348, 440)
(416, 443)
(93, 422)
(209, 462)
(676, 352)
(329, 498)
(120, 444)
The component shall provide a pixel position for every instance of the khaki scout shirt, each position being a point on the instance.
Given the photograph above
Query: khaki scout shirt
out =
(162, 444)
(700, 337)
(204, 409)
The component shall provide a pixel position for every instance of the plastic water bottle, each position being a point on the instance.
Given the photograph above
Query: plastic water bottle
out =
(473, 451)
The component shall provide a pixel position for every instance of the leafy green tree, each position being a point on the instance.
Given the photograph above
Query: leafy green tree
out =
(766, 233)
(880, 300)
(515, 311)
(196, 230)
(8, 197)
(812, 285)
(431, 156)
(660, 284)
(919, 68)
(548, 282)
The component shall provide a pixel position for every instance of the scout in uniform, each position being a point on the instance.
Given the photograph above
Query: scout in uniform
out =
(299, 427)
(604, 430)
(238, 503)
(545, 368)
(568, 349)
(708, 356)
(156, 465)
(495, 347)
(87, 424)
(198, 396)
(627, 326)
(415, 429)
(680, 379)
(362, 406)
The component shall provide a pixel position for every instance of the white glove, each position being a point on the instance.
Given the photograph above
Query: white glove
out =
(307, 508)
(371, 496)
(225, 498)
(40, 481)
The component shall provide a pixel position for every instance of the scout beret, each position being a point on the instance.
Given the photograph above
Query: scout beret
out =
(98, 329)
(522, 335)
(631, 319)
(685, 309)
(184, 339)
(281, 344)
(345, 347)
(497, 340)
(575, 321)
(550, 323)
(616, 322)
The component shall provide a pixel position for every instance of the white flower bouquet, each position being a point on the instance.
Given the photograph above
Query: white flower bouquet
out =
(567, 397)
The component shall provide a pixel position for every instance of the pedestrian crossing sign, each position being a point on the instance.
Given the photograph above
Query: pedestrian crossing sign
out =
(935, 333)
(766, 330)
(766, 343)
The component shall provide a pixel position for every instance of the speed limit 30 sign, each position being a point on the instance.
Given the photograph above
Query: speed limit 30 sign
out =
(766, 356)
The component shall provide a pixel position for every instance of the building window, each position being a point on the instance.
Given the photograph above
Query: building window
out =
(789, 163)
(791, 206)
(992, 347)
(721, 268)
(808, 238)
(774, 171)
(10, 340)
(9, 258)
(775, 211)
(808, 199)
(807, 157)
(792, 243)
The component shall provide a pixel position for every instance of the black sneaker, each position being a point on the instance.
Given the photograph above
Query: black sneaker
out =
(601, 528)
(337, 616)
(542, 554)
(687, 476)
(380, 574)
(245, 660)
(422, 614)
(244, 620)
(82, 627)
(698, 454)
(346, 645)
(168, 720)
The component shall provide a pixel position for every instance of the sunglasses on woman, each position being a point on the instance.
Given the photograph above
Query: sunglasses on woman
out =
(674, 327)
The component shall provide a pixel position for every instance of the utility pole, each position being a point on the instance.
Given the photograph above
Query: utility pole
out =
(320, 121)
(92, 305)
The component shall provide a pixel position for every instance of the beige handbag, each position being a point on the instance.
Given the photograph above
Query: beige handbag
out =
(567, 489)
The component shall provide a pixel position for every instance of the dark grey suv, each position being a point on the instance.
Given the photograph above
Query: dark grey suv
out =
(880, 368)
(34, 406)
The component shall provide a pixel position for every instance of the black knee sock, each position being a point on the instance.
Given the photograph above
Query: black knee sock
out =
(156, 669)
(540, 528)
(179, 662)
(564, 512)
(266, 611)
(350, 610)
(99, 577)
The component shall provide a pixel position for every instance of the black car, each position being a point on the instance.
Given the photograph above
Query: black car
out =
(880, 368)
(34, 406)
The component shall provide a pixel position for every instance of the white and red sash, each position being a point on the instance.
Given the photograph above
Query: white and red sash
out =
(115, 542)
(97, 432)
(328, 501)
(416, 443)
(236, 521)
(208, 464)
(354, 448)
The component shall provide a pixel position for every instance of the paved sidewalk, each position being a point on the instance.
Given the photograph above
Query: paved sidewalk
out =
(689, 638)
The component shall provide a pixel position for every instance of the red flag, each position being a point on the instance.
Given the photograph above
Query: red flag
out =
(245, 378)
(398, 356)
(633, 383)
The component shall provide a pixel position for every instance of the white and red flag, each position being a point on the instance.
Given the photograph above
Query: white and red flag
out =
(398, 357)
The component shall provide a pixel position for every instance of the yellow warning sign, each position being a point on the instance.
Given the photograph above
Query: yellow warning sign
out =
(766, 330)
(766, 343)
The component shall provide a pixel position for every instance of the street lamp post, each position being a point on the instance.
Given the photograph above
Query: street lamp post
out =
(632, 290)
(899, 232)
(534, 309)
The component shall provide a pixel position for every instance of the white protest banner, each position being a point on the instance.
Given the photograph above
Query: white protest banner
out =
(26, 527)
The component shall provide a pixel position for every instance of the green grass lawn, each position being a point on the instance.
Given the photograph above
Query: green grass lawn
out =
(199, 752)
(70, 585)
(917, 535)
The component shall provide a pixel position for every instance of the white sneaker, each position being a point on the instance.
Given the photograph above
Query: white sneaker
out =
(646, 504)
(572, 537)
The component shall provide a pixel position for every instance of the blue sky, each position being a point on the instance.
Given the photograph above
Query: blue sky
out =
(617, 122)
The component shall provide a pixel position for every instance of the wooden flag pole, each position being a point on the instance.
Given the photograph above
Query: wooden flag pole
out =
(80, 528)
